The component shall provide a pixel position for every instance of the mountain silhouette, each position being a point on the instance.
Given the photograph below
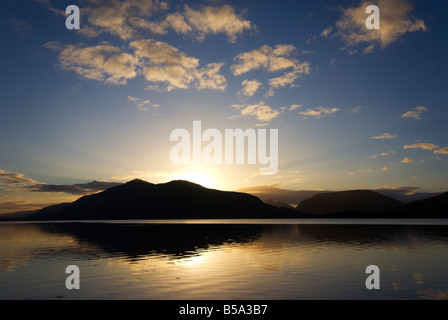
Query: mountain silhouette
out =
(434, 207)
(178, 199)
(348, 201)
(278, 204)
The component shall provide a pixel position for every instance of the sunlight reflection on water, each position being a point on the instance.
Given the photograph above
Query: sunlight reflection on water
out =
(188, 260)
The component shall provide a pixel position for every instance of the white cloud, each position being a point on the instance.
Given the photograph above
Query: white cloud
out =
(159, 62)
(129, 19)
(120, 18)
(423, 146)
(386, 136)
(214, 20)
(260, 110)
(395, 21)
(272, 60)
(103, 62)
(414, 114)
(163, 63)
(294, 107)
(269, 59)
(319, 112)
(250, 87)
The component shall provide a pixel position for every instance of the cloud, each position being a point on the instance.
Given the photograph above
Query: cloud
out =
(208, 20)
(141, 103)
(18, 182)
(318, 113)
(414, 114)
(362, 171)
(386, 136)
(158, 62)
(132, 19)
(120, 18)
(355, 110)
(294, 107)
(326, 32)
(250, 87)
(76, 189)
(19, 26)
(163, 63)
(407, 160)
(103, 62)
(395, 21)
(272, 60)
(260, 110)
(423, 146)
(14, 179)
(22, 205)
(214, 20)
(441, 151)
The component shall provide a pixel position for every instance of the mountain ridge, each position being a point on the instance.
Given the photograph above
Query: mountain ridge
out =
(180, 199)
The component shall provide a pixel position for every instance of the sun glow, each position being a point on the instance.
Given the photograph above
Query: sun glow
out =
(200, 175)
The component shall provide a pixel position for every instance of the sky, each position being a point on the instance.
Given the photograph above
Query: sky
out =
(355, 108)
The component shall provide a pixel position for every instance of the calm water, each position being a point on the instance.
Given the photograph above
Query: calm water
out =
(292, 259)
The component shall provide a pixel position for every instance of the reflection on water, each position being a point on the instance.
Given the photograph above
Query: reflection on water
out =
(222, 261)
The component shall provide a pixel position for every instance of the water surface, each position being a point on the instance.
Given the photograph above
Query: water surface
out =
(225, 259)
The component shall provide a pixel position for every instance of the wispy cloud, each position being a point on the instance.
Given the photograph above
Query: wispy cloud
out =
(260, 110)
(355, 110)
(414, 114)
(142, 104)
(362, 171)
(386, 136)
(20, 205)
(20, 26)
(250, 87)
(280, 58)
(294, 107)
(318, 113)
(396, 21)
(10, 181)
(421, 145)
(75, 189)
(10, 178)
(441, 151)
(407, 160)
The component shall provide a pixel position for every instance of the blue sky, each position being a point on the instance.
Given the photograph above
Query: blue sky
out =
(355, 108)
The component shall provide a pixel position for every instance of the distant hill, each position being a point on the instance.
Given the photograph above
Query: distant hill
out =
(434, 207)
(278, 204)
(139, 199)
(348, 201)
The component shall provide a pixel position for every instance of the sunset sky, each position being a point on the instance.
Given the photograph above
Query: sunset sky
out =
(354, 108)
